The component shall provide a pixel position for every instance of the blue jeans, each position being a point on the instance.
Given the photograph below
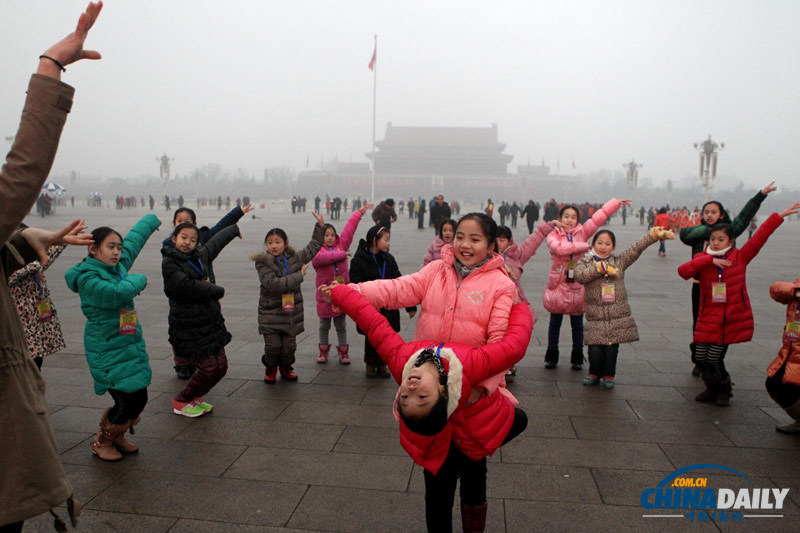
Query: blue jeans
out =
(554, 331)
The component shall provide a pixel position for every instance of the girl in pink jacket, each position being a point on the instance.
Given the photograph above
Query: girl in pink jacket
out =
(451, 416)
(563, 296)
(466, 297)
(330, 263)
(444, 235)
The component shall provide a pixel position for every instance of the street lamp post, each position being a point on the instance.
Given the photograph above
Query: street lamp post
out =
(632, 173)
(708, 162)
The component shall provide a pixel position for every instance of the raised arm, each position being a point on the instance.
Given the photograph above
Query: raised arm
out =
(379, 332)
(601, 215)
(405, 291)
(559, 246)
(346, 238)
(136, 238)
(633, 252)
(307, 254)
(214, 246)
(228, 220)
(759, 238)
(534, 240)
(742, 220)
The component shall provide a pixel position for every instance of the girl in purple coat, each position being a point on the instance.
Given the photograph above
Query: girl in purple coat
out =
(563, 296)
(330, 264)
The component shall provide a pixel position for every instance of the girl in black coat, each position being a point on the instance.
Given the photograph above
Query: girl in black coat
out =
(371, 261)
(196, 327)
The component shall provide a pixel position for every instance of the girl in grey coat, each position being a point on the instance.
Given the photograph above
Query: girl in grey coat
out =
(608, 315)
(281, 270)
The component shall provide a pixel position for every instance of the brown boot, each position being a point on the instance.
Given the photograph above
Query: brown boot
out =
(707, 395)
(372, 371)
(383, 370)
(473, 518)
(102, 444)
(122, 444)
(793, 411)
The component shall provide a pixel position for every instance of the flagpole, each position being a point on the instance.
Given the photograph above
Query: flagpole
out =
(374, 100)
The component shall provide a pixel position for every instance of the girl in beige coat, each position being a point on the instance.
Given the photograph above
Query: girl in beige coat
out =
(608, 315)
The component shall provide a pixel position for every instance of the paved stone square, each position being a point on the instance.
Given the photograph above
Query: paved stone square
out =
(323, 454)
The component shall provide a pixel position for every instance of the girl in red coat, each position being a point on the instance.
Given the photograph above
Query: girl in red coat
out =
(725, 316)
(452, 415)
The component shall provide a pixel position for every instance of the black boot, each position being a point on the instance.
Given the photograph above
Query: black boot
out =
(473, 518)
(576, 358)
(724, 393)
(551, 357)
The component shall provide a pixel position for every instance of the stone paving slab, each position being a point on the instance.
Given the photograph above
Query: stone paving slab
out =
(323, 454)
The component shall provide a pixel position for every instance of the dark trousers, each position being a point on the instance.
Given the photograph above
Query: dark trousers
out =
(421, 221)
(16, 527)
(127, 405)
(785, 394)
(371, 357)
(209, 369)
(710, 359)
(603, 359)
(662, 247)
(181, 360)
(440, 489)
(530, 222)
(554, 331)
(695, 312)
(279, 349)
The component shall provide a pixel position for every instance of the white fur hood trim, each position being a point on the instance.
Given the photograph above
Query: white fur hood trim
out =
(455, 376)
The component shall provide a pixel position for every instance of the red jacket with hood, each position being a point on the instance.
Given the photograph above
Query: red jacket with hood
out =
(732, 321)
(479, 416)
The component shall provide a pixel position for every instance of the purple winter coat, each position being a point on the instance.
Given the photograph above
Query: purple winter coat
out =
(332, 262)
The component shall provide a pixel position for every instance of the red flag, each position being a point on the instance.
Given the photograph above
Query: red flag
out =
(374, 57)
(573, 163)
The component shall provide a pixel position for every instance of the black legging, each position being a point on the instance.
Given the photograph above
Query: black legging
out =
(440, 490)
(127, 405)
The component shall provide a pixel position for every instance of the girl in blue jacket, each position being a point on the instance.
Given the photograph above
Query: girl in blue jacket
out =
(113, 338)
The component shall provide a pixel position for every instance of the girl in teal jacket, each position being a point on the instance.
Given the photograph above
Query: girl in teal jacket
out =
(113, 338)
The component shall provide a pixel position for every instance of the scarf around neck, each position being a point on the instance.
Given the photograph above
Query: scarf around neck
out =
(718, 253)
(463, 271)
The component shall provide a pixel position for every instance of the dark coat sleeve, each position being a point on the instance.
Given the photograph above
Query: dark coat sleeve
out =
(214, 246)
(274, 284)
(228, 220)
(179, 286)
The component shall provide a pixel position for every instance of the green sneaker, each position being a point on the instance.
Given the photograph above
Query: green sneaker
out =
(608, 382)
(207, 407)
(189, 409)
(591, 379)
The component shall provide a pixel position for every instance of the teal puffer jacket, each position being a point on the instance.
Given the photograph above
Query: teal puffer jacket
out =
(116, 361)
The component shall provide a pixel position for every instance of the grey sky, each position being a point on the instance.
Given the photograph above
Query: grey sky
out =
(251, 84)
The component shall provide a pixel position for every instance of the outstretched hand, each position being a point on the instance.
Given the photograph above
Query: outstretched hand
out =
(363, 209)
(40, 240)
(247, 208)
(70, 49)
(625, 202)
(791, 210)
(769, 188)
(557, 223)
(320, 221)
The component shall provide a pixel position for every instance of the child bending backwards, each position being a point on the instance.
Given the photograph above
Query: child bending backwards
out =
(783, 381)
(113, 337)
(451, 415)
(725, 315)
(330, 263)
(196, 327)
(281, 269)
(444, 235)
(608, 315)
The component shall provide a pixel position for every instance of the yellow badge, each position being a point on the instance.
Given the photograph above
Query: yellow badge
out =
(287, 302)
(339, 279)
(608, 292)
(718, 295)
(569, 266)
(45, 310)
(792, 331)
(127, 322)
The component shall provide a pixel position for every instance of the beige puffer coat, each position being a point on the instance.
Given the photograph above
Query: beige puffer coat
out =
(606, 322)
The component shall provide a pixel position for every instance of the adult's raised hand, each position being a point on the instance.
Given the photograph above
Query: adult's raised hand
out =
(70, 49)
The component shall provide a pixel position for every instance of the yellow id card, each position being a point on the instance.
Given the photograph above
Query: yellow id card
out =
(792, 331)
(608, 292)
(718, 295)
(45, 310)
(287, 302)
(127, 322)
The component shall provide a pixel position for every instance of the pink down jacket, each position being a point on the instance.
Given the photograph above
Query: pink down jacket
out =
(560, 296)
(434, 251)
(330, 262)
(517, 255)
(474, 311)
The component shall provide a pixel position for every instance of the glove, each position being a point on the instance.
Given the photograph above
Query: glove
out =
(658, 233)
(607, 270)
(613, 272)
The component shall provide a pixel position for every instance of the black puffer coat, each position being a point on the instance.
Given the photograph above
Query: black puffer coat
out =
(364, 268)
(275, 283)
(196, 326)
